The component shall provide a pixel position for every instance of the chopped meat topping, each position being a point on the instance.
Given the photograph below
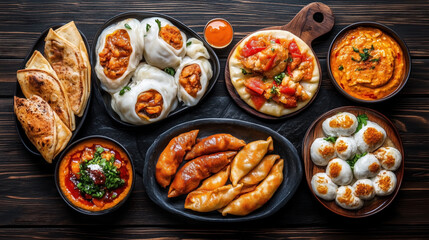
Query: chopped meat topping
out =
(334, 169)
(372, 136)
(374, 167)
(149, 104)
(341, 146)
(190, 79)
(363, 189)
(116, 54)
(343, 121)
(172, 36)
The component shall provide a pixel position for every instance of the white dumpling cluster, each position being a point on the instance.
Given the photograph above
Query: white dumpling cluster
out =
(149, 66)
(358, 166)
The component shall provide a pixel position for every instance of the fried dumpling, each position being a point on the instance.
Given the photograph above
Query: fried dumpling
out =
(248, 158)
(217, 180)
(192, 78)
(215, 143)
(165, 44)
(260, 171)
(118, 53)
(69, 64)
(70, 32)
(172, 156)
(190, 175)
(255, 199)
(42, 126)
(151, 96)
(211, 200)
(195, 49)
(40, 79)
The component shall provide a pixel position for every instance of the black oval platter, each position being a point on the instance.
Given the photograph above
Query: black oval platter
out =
(241, 129)
(105, 97)
(40, 45)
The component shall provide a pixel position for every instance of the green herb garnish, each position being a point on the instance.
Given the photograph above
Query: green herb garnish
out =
(274, 90)
(359, 69)
(123, 90)
(159, 23)
(352, 161)
(170, 71)
(355, 49)
(127, 26)
(245, 72)
(354, 59)
(279, 78)
(111, 173)
(341, 68)
(362, 121)
(375, 60)
(148, 26)
(331, 139)
(188, 43)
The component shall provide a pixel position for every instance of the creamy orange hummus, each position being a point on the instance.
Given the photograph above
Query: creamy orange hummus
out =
(68, 178)
(367, 63)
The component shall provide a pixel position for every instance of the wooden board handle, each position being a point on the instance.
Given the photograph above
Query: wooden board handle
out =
(311, 22)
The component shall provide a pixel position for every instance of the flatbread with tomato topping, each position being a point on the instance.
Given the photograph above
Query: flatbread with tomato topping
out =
(274, 72)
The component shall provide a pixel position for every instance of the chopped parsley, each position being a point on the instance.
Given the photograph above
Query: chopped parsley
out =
(375, 60)
(355, 49)
(279, 78)
(127, 26)
(111, 174)
(188, 43)
(148, 26)
(274, 90)
(362, 121)
(170, 71)
(341, 68)
(159, 23)
(245, 72)
(331, 139)
(352, 161)
(124, 89)
(354, 59)
(364, 55)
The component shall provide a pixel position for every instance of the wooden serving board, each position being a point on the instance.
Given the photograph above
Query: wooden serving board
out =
(393, 140)
(313, 21)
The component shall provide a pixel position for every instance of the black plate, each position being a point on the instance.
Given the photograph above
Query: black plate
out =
(109, 210)
(105, 96)
(244, 130)
(40, 46)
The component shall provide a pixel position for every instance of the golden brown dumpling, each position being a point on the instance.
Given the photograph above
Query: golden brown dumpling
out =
(260, 172)
(190, 175)
(217, 180)
(248, 158)
(251, 201)
(172, 156)
(211, 200)
(215, 143)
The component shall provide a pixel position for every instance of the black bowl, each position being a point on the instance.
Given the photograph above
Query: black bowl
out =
(106, 98)
(39, 45)
(292, 171)
(109, 210)
(391, 33)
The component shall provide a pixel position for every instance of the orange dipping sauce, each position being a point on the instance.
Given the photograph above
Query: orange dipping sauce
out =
(218, 33)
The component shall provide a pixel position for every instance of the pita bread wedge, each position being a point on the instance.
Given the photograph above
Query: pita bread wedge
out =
(70, 32)
(40, 79)
(42, 126)
(68, 63)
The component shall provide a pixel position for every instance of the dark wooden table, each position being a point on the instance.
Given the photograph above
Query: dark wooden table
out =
(30, 206)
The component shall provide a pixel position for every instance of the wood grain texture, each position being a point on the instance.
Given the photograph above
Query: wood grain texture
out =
(30, 206)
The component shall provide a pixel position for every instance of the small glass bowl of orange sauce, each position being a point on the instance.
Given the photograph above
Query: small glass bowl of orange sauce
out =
(218, 33)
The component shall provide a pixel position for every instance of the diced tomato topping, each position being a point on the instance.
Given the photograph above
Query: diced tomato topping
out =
(258, 101)
(255, 84)
(270, 63)
(252, 47)
(291, 103)
(277, 40)
(287, 90)
(289, 71)
(294, 50)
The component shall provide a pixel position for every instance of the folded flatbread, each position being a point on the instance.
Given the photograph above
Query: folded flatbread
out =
(71, 66)
(40, 79)
(42, 126)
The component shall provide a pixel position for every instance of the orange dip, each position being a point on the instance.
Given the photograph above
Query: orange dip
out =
(116, 54)
(367, 63)
(78, 159)
(218, 33)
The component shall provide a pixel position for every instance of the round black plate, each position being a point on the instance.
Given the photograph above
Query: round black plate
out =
(40, 46)
(244, 130)
(105, 96)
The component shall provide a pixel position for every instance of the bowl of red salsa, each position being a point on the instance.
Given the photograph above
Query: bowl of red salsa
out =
(95, 175)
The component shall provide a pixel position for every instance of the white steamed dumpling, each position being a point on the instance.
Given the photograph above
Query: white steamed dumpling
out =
(151, 97)
(389, 157)
(321, 151)
(165, 44)
(364, 189)
(366, 167)
(345, 147)
(116, 65)
(323, 186)
(347, 199)
(195, 49)
(384, 183)
(339, 171)
(370, 137)
(192, 78)
(340, 125)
